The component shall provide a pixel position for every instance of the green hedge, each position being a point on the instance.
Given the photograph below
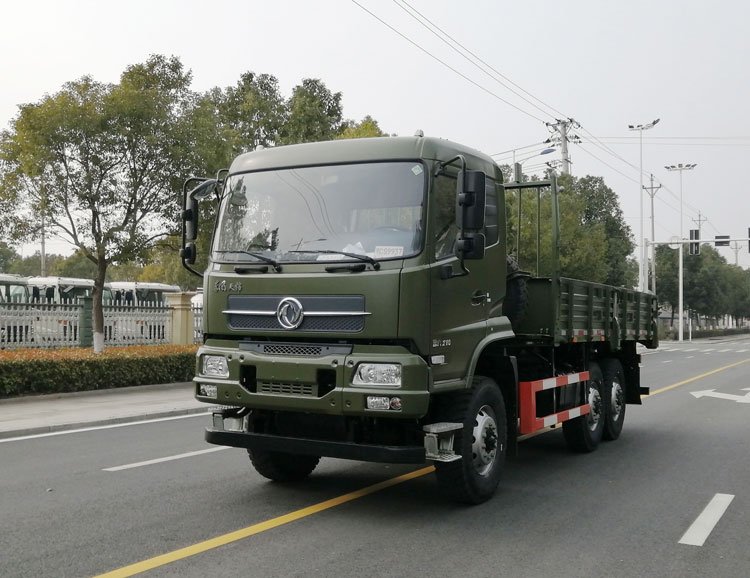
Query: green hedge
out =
(27, 372)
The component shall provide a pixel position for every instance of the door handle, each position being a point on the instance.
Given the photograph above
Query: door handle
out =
(480, 297)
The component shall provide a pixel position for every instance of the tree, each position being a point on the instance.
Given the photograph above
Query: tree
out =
(104, 163)
(8, 257)
(314, 113)
(367, 128)
(601, 206)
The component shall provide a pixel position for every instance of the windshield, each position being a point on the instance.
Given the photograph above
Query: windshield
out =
(310, 214)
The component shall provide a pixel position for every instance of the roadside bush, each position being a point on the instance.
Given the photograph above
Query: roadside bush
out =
(36, 371)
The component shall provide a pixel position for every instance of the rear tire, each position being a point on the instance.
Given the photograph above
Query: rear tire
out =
(482, 442)
(281, 467)
(614, 398)
(583, 434)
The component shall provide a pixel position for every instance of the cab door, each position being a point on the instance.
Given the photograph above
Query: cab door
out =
(459, 304)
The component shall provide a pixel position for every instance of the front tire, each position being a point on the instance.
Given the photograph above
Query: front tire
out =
(482, 442)
(281, 467)
(583, 434)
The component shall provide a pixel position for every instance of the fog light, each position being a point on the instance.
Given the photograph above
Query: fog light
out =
(207, 390)
(396, 403)
(215, 365)
(378, 402)
(382, 374)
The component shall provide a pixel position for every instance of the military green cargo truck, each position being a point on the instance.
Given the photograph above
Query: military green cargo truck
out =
(361, 302)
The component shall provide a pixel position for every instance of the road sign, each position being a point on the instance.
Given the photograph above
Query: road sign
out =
(675, 242)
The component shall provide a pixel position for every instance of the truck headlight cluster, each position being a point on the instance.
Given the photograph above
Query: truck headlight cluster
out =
(215, 366)
(380, 374)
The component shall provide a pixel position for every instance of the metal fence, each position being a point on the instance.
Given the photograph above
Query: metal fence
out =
(137, 325)
(61, 325)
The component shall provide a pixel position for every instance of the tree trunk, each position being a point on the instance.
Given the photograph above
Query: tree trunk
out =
(98, 311)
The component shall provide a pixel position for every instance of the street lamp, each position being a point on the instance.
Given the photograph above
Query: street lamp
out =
(517, 165)
(642, 269)
(681, 168)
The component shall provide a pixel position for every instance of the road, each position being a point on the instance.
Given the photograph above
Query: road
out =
(69, 507)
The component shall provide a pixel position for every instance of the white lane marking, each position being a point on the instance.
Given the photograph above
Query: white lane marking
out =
(723, 350)
(691, 349)
(99, 427)
(711, 349)
(704, 524)
(166, 459)
(668, 361)
(741, 350)
(689, 356)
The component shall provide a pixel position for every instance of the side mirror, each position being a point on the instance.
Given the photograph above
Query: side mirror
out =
(470, 200)
(471, 245)
(190, 214)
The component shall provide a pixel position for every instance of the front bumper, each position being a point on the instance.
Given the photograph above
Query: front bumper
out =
(313, 447)
(315, 384)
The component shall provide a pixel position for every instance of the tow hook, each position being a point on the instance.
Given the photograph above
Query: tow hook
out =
(438, 441)
(229, 418)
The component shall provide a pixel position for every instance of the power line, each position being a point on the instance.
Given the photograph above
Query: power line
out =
(448, 66)
(411, 11)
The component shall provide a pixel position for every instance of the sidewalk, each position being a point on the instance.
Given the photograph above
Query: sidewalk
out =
(31, 415)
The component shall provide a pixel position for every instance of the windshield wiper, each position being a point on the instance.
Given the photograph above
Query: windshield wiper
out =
(365, 258)
(258, 256)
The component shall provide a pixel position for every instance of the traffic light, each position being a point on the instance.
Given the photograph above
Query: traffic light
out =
(694, 248)
(721, 241)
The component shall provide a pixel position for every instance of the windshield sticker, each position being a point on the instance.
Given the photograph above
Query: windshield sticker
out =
(384, 251)
(417, 170)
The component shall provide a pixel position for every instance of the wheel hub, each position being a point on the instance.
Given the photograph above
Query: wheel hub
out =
(617, 401)
(484, 440)
(595, 402)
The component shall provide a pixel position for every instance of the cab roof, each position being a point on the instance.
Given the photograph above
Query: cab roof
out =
(361, 150)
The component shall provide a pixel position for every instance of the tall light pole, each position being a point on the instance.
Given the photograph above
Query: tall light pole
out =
(681, 168)
(642, 269)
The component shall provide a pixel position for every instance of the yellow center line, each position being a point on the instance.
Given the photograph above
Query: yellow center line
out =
(695, 378)
(219, 541)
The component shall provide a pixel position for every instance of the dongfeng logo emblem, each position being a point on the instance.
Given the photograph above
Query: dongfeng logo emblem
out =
(290, 313)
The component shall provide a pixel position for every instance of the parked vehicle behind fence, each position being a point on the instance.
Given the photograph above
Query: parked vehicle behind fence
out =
(149, 299)
(15, 327)
(57, 300)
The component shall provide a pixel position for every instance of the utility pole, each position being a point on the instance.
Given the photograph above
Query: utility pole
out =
(43, 255)
(652, 193)
(562, 127)
(699, 221)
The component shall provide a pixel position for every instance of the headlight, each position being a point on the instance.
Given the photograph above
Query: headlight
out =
(215, 366)
(381, 374)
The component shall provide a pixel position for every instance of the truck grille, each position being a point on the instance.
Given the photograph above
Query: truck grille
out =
(279, 349)
(288, 388)
(322, 313)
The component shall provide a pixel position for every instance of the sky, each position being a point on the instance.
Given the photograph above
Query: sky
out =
(606, 64)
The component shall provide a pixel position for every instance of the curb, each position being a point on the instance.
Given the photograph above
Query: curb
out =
(114, 421)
